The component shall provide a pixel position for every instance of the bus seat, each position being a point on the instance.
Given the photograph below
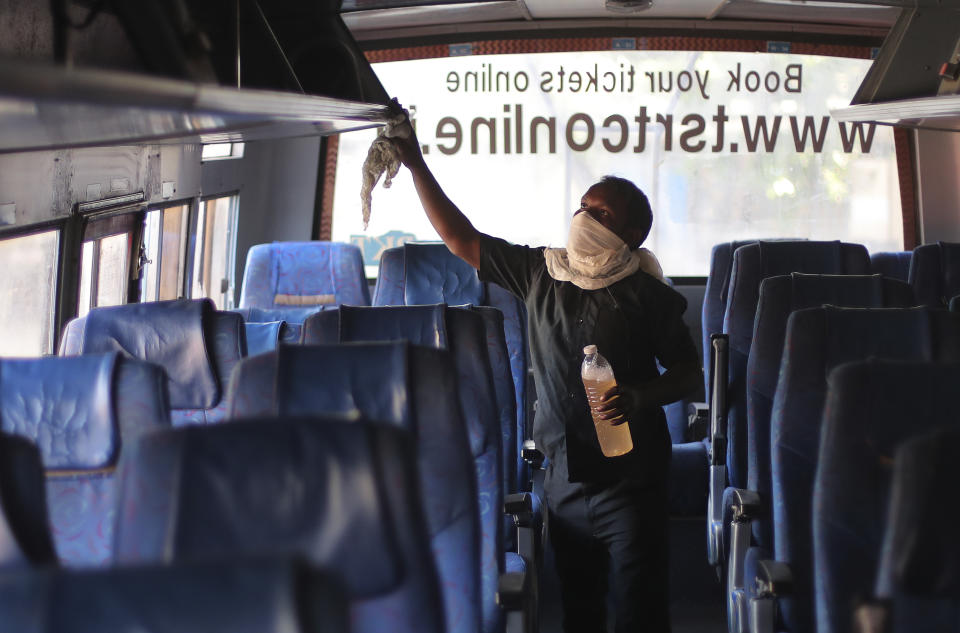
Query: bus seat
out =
(779, 296)
(752, 263)
(266, 337)
(428, 273)
(290, 314)
(412, 387)
(195, 344)
(246, 596)
(895, 264)
(25, 539)
(342, 494)
(463, 332)
(935, 273)
(819, 339)
(303, 274)
(81, 411)
(852, 496)
(919, 573)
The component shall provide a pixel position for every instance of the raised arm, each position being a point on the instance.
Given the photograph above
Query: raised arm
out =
(454, 228)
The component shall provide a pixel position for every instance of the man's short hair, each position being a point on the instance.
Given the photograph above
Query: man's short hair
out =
(641, 215)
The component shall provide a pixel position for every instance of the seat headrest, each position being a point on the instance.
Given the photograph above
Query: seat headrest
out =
(435, 275)
(262, 337)
(368, 379)
(847, 290)
(421, 325)
(291, 314)
(950, 262)
(783, 258)
(326, 489)
(64, 405)
(172, 334)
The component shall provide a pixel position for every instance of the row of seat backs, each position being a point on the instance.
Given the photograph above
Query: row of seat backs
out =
(306, 275)
(412, 387)
(817, 341)
(463, 332)
(428, 273)
(884, 515)
(339, 494)
(197, 345)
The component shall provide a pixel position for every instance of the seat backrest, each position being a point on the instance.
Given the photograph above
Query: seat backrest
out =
(303, 274)
(893, 264)
(919, 573)
(872, 407)
(411, 387)
(463, 332)
(779, 297)
(428, 273)
(290, 314)
(819, 339)
(752, 263)
(248, 596)
(342, 496)
(196, 345)
(80, 411)
(25, 539)
(266, 337)
(935, 273)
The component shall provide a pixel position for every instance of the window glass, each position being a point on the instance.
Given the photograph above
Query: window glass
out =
(213, 262)
(725, 145)
(86, 278)
(217, 151)
(112, 270)
(28, 287)
(165, 240)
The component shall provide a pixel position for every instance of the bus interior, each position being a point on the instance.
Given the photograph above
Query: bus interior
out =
(186, 261)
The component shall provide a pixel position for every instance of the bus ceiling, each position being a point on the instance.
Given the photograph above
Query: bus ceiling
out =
(179, 71)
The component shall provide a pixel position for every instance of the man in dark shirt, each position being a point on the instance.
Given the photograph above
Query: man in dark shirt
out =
(602, 511)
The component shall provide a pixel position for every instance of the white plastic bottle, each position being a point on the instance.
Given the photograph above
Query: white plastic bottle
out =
(598, 378)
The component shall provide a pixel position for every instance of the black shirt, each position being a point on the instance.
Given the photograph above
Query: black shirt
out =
(634, 322)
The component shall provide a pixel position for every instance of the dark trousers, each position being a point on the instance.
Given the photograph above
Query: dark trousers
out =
(598, 528)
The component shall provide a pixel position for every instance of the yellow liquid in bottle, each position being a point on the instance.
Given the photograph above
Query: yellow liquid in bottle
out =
(614, 440)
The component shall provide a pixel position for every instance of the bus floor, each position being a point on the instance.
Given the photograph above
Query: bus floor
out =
(696, 596)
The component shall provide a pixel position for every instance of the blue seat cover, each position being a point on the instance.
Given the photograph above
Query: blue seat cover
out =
(894, 264)
(935, 273)
(343, 496)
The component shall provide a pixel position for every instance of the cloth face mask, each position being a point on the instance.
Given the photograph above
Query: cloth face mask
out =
(595, 257)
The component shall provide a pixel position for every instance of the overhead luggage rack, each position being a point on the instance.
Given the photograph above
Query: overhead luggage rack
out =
(932, 113)
(50, 107)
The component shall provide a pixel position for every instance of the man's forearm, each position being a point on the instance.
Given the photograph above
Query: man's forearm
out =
(677, 382)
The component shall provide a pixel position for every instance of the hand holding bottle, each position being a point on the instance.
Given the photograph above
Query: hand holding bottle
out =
(605, 401)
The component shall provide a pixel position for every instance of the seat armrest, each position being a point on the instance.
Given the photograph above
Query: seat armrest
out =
(746, 504)
(774, 578)
(514, 597)
(719, 362)
(520, 505)
(698, 421)
(531, 454)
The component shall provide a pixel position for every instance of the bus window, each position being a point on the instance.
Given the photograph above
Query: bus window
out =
(104, 272)
(214, 251)
(727, 145)
(165, 243)
(28, 286)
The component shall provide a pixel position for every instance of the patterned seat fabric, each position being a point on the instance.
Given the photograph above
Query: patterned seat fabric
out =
(895, 265)
(411, 387)
(818, 340)
(214, 597)
(864, 483)
(80, 411)
(428, 273)
(935, 273)
(25, 539)
(463, 332)
(195, 344)
(342, 495)
(304, 275)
